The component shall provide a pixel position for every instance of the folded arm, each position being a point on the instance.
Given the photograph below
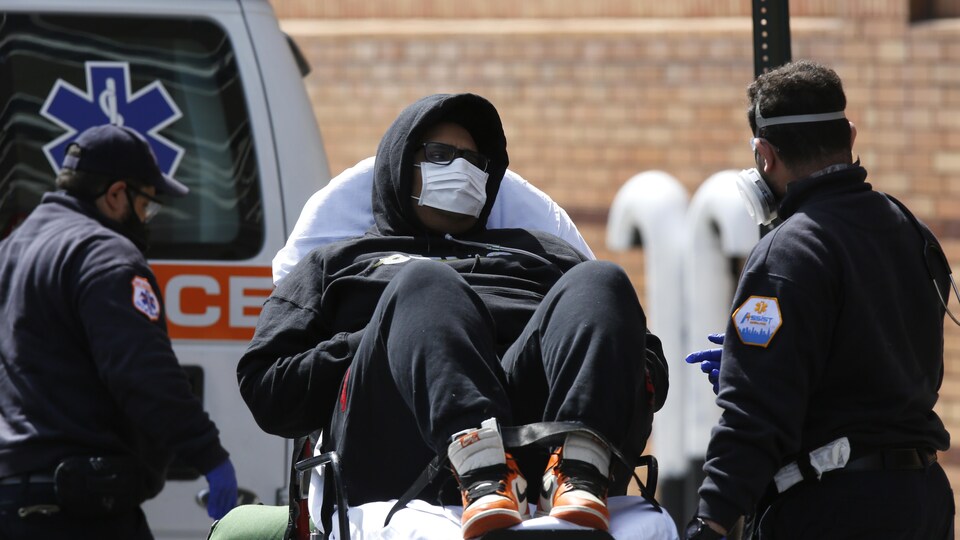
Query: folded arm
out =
(289, 377)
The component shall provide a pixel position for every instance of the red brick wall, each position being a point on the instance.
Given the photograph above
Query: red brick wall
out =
(573, 9)
(592, 93)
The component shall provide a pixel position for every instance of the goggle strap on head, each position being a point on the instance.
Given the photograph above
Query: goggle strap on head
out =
(795, 118)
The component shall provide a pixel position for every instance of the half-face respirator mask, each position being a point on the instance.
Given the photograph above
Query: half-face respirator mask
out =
(756, 192)
(757, 195)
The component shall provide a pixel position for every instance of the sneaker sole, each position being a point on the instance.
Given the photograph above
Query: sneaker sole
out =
(490, 520)
(581, 515)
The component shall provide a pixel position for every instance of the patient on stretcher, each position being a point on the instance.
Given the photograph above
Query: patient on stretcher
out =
(433, 335)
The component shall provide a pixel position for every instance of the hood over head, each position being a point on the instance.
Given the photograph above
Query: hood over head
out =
(393, 207)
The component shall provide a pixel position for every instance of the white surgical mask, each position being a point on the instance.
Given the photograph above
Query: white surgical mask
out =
(459, 187)
(757, 195)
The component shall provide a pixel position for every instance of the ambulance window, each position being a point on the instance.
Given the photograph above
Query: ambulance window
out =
(174, 80)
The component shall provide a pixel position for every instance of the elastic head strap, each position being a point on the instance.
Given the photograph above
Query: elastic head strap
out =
(794, 118)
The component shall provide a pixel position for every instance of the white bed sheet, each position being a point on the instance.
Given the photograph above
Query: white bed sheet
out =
(632, 518)
(343, 209)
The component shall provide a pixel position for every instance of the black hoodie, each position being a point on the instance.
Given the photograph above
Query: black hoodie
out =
(393, 171)
(310, 326)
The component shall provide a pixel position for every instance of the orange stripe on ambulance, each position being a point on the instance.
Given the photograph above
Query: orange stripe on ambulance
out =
(213, 302)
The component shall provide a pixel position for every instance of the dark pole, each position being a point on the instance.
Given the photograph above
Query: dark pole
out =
(771, 34)
(771, 47)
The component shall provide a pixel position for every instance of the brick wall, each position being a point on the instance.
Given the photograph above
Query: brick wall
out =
(574, 9)
(592, 93)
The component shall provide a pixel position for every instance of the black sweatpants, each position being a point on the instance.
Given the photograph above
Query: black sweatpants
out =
(427, 367)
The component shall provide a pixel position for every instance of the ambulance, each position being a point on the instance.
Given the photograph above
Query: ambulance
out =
(217, 89)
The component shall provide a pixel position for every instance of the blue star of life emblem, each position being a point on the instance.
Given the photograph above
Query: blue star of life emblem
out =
(108, 100)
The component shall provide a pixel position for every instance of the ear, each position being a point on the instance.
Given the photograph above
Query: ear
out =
(767, 154)
(853, 133)
(113, 201)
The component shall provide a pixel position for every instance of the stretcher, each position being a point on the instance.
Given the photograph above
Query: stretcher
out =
(632, 517)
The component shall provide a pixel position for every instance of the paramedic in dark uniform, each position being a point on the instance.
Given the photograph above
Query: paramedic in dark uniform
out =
(833, 354)
(86, 366)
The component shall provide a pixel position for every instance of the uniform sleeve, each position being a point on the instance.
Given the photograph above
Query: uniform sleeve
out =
(776, 340)
(290, 376)
(123, 319)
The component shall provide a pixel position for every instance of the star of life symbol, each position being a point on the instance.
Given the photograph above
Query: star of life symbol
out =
(108, 100)
(144, 299)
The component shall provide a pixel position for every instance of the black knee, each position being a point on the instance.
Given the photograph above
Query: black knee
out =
(602, 276)
(423, 276)
(430, 285)
(602, 272)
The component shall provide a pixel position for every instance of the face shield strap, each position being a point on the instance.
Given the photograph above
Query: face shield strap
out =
(794, 118)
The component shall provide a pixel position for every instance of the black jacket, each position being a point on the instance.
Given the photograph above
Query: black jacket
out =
(83, 371)
(311, 325)
(858, 352)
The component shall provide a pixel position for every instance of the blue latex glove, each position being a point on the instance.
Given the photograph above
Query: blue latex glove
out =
(223, 489)
(709, 361)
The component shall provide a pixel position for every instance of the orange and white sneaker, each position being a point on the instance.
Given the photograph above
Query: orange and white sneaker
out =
(493, 490)
(575, 483)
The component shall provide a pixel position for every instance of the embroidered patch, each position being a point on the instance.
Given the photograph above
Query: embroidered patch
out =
(757, 320)
(144, 299)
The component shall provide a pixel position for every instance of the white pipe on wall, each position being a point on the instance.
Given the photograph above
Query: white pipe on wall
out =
(653, 204)
(717, 229)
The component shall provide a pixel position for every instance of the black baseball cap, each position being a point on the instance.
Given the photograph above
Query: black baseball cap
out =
(122, 153)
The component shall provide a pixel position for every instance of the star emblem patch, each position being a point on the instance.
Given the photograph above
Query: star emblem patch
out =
(757, 320)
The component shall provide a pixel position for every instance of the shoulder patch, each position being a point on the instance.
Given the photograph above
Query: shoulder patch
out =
(757, 320)
(144, 299)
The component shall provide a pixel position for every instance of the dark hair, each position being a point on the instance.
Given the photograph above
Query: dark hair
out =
(85, 185)
(801, 87)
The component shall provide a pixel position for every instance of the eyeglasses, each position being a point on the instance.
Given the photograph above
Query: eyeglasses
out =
(444, 154)
(153, 204)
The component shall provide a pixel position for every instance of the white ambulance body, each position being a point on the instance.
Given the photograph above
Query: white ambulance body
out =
(216, 87)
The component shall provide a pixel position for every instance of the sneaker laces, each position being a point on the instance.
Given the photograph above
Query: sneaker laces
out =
(485, 481)
(583, 476)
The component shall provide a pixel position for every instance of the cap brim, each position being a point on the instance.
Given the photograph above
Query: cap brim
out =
(170, 186)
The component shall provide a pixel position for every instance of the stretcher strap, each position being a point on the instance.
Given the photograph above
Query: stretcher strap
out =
(520, 436)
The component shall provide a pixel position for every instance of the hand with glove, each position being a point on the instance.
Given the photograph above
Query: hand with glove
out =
(222, 480)
(709, 361)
